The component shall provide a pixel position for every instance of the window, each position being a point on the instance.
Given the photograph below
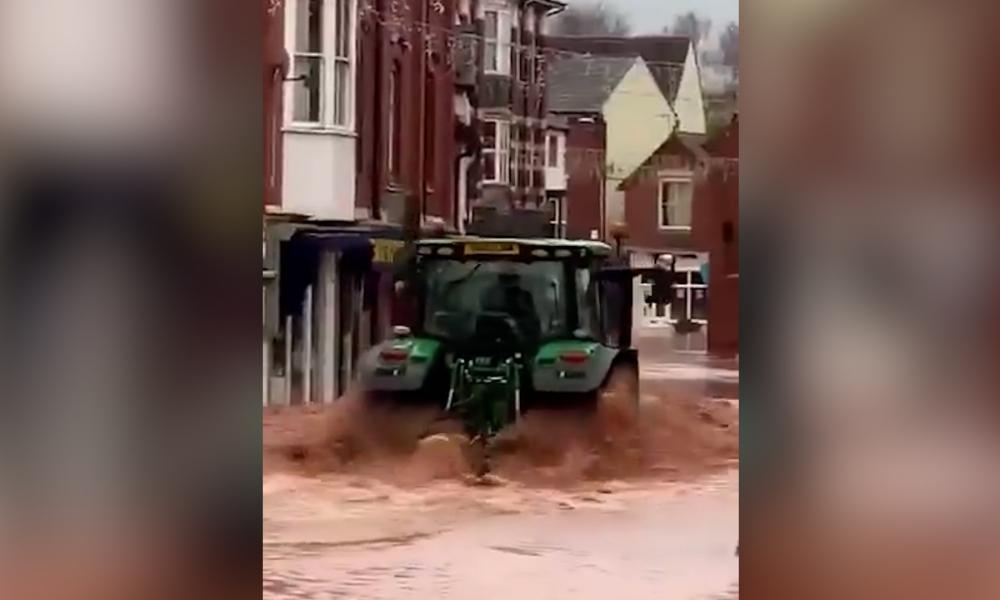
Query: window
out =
(496, 151)
(496, 58)
(557, 208)
(458, 291)
(529, 164)
(553, 148)
(307, 62)
(529, 50)
(588, 310)
(342, 64)
(515, 158)
(322, 62)
(675, 203)
(690, 295)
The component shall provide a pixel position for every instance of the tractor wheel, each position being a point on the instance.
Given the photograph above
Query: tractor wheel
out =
(617, 409)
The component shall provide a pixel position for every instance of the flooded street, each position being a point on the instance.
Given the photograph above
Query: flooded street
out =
(668, 531)
(626, 542)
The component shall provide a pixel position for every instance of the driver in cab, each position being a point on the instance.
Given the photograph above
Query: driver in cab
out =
(508, 296)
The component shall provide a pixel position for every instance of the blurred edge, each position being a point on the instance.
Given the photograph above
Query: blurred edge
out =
(871, 300)
(131, 168)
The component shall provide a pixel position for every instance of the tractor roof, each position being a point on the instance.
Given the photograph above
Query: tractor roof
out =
(592, 248)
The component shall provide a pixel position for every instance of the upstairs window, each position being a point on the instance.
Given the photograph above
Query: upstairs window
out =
(308, 59)
(322, 53)
(675, 201)
(496, 54)
(553, 151)
(343, 42)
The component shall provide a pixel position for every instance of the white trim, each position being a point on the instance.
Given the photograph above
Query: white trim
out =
(501, 155)
(503, 41)
(672, 177)
(328, 60)
(319, 130)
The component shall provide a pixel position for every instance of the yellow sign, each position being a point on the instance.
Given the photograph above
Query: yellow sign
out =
(504, 248)
(385, 250)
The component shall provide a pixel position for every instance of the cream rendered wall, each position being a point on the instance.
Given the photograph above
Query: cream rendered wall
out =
(638, 120)
(690, 102)
(318, 175)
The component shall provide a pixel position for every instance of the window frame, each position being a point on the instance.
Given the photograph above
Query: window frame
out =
(337, 57)
(553, 157)
(662, 204)
(502, 42)
(501, 153)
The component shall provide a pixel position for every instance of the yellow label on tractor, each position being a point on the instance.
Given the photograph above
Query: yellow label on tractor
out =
(502, 248)
(385, 250)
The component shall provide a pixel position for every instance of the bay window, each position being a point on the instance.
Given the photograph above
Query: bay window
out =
(320, 34)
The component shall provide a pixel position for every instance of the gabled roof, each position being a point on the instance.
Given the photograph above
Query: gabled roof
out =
(678, 144)
(665, 55)
(583, 84)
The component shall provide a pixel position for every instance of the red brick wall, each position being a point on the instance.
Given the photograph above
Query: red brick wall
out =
(584, 170)
(421, 110)
(717, 231)
(642, 204)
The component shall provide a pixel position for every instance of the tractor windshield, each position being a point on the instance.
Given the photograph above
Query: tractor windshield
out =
(531, 295)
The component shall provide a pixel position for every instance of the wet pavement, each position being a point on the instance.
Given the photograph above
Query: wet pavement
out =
(669, 533)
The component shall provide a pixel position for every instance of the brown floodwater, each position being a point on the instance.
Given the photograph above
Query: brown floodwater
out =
(343, 538)
(573, 511)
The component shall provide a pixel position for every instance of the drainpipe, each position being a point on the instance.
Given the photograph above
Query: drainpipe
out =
(422, 151)
(380, 144)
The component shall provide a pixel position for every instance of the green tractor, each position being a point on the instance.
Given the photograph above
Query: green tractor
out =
(506, 326)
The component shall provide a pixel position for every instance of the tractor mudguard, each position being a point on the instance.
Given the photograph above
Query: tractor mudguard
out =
(572, 366)
(398, 365)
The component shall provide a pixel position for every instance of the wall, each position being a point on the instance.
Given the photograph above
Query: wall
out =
(716, 229)
(642, 213)
(639, 119)
(274, 66)
(427, 89)
(689, 103)
(319, 175)
(584, 169)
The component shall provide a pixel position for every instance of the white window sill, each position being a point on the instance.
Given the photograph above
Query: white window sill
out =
(676, 228)
(319, 130)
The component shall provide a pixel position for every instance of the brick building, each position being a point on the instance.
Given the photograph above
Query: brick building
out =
(716, 231)
(504, 61)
